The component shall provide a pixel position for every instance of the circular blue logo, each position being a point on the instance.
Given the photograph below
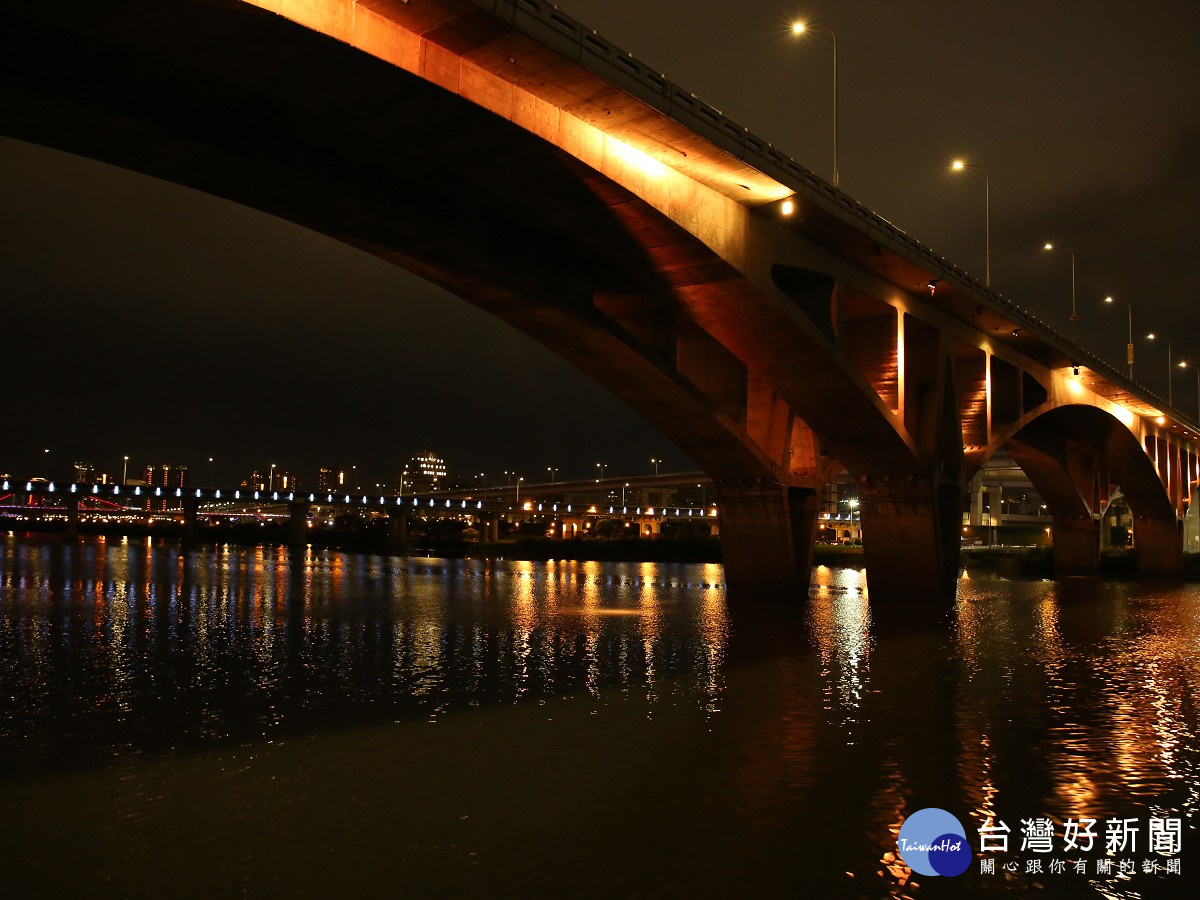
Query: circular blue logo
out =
(933, 842)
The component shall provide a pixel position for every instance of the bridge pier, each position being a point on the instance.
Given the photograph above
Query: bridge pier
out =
(298, 526)
(397, 530)
(1159, 545)
(191, 507)
(491, 529)
(767, 533)
(1076, 545)
(72, 532)
(911, 538)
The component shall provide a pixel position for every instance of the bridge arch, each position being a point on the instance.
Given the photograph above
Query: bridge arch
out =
(1074, 454)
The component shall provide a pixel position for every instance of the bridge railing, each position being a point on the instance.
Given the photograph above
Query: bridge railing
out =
(397, 502)
(573, 40)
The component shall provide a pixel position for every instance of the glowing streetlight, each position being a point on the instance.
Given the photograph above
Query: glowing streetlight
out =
(1074, 316)
(212, 481)
(124, 471)
(518, 499)
(803, 28)
(1183, 365)
(656, 463)
(601, 467)
(271, 480)
(1128, 346)
(960, 166)
(553, 470)
(1170, 371)
(624, 487)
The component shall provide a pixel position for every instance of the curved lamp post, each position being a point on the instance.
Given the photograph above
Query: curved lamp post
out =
(1183, 365)
(1074, 314)
(1128, 346)
(803, 28)
(960, 166)
(1170, 371)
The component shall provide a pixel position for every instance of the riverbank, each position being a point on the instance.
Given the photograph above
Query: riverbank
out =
(1013, 562)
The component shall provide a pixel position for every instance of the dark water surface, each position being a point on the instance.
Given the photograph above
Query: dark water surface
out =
(249, 722)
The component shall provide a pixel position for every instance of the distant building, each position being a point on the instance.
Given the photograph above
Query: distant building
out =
(426, 472)
(256, 482)
(167, 477)
(331, 480)
(87, 473)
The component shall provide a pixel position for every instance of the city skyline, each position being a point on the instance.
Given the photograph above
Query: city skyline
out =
(131, 469)
(222, 328)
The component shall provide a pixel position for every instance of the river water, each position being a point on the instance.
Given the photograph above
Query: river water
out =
(254, 722)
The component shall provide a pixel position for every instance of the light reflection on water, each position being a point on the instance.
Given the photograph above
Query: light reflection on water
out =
(257, 721)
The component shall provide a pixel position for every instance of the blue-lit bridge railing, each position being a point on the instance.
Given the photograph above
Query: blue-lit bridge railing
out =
(191, 503)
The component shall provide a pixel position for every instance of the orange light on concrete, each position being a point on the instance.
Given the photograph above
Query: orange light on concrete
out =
(635, 158)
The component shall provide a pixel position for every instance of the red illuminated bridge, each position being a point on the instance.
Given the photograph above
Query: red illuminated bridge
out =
(769, 325)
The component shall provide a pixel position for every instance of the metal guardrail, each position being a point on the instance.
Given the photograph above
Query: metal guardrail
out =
(414, 504)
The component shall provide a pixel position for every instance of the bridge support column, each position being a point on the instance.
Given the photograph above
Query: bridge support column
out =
(1076, 545)
(72, 532)
(1191, 524)
(911, 539)
(491, 529)
(767, 533)
(397, 530)
(298, 527)
(191, 506)
(1159, 544)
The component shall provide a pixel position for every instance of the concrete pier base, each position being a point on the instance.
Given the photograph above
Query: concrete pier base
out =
(298, 526)
(1159, 545)
(911, 539)
(72, 532)
(1076, 545)
(191, 508)
(397, 530)
(767, 533)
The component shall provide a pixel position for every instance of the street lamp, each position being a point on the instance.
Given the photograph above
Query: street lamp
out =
(959, 166)
(553, 470)
(656, 463)
(519, 480)
(1128, 346)
(1183, 365)
(271, 480)
(1170, 371)
(802, 28)
(601, 467)
(1067, 250)
(623, 488)
(124, 471)
(403, 472)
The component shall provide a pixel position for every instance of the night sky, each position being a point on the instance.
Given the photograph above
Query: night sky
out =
(149, 320)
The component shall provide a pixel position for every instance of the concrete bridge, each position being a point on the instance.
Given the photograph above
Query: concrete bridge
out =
(567, 519)
(768, 324)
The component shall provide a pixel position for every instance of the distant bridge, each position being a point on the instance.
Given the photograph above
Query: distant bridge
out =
(195, 501)
(772, 327)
